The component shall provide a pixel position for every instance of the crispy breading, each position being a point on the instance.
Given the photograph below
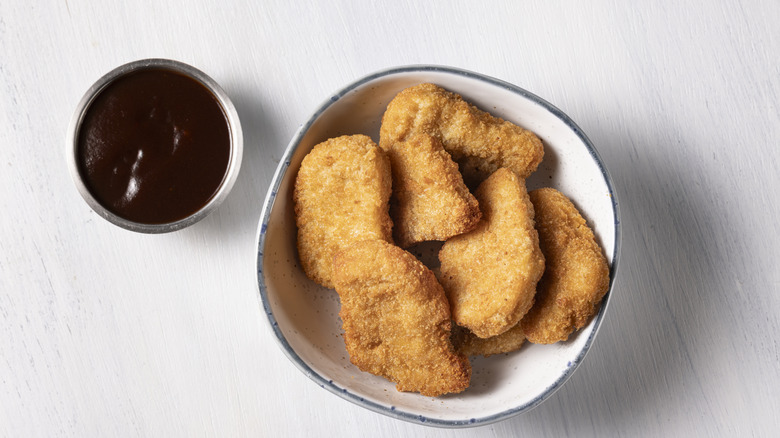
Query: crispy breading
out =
(470, 344)
(479, 142)
(396, 319)
(341, 196)
(490, 273)
(577, 274)
(430, 200)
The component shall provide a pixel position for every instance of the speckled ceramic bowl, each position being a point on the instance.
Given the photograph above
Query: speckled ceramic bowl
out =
(304, 316)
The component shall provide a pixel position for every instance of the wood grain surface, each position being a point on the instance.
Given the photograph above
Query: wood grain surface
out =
(104, 332)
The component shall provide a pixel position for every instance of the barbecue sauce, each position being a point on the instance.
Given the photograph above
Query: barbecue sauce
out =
(154, 146)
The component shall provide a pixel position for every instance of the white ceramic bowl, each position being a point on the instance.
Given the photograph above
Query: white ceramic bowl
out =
(304, 316)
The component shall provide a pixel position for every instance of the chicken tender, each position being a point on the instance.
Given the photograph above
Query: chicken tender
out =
(430, 200)
(490, 273)
(341, 196)
(470, 344)
(396, 320)
(576, 277)
(477, 141)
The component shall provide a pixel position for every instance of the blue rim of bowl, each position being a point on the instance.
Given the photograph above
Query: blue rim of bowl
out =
(392, 411)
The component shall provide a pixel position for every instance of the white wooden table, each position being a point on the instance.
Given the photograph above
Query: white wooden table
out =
(104, 332)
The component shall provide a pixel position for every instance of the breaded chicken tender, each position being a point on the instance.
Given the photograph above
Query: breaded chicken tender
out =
(490, 273)
(470, 344)
(430, 200)
(479, 142)
(341, 196)
(396, 320)
(576, 277)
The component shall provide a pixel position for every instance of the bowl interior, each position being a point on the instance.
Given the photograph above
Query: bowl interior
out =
(304, 316)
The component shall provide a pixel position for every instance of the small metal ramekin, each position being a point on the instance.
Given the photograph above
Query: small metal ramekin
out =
(234, 128)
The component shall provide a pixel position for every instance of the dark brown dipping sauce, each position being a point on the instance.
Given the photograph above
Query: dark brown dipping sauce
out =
(154, 146)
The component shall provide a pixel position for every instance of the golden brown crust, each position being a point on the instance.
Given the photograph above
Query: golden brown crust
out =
(479, 142)
(430, 200)
(472, 345)
(341, 196)
(577, 273)
(396, 320)
(490, 273)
